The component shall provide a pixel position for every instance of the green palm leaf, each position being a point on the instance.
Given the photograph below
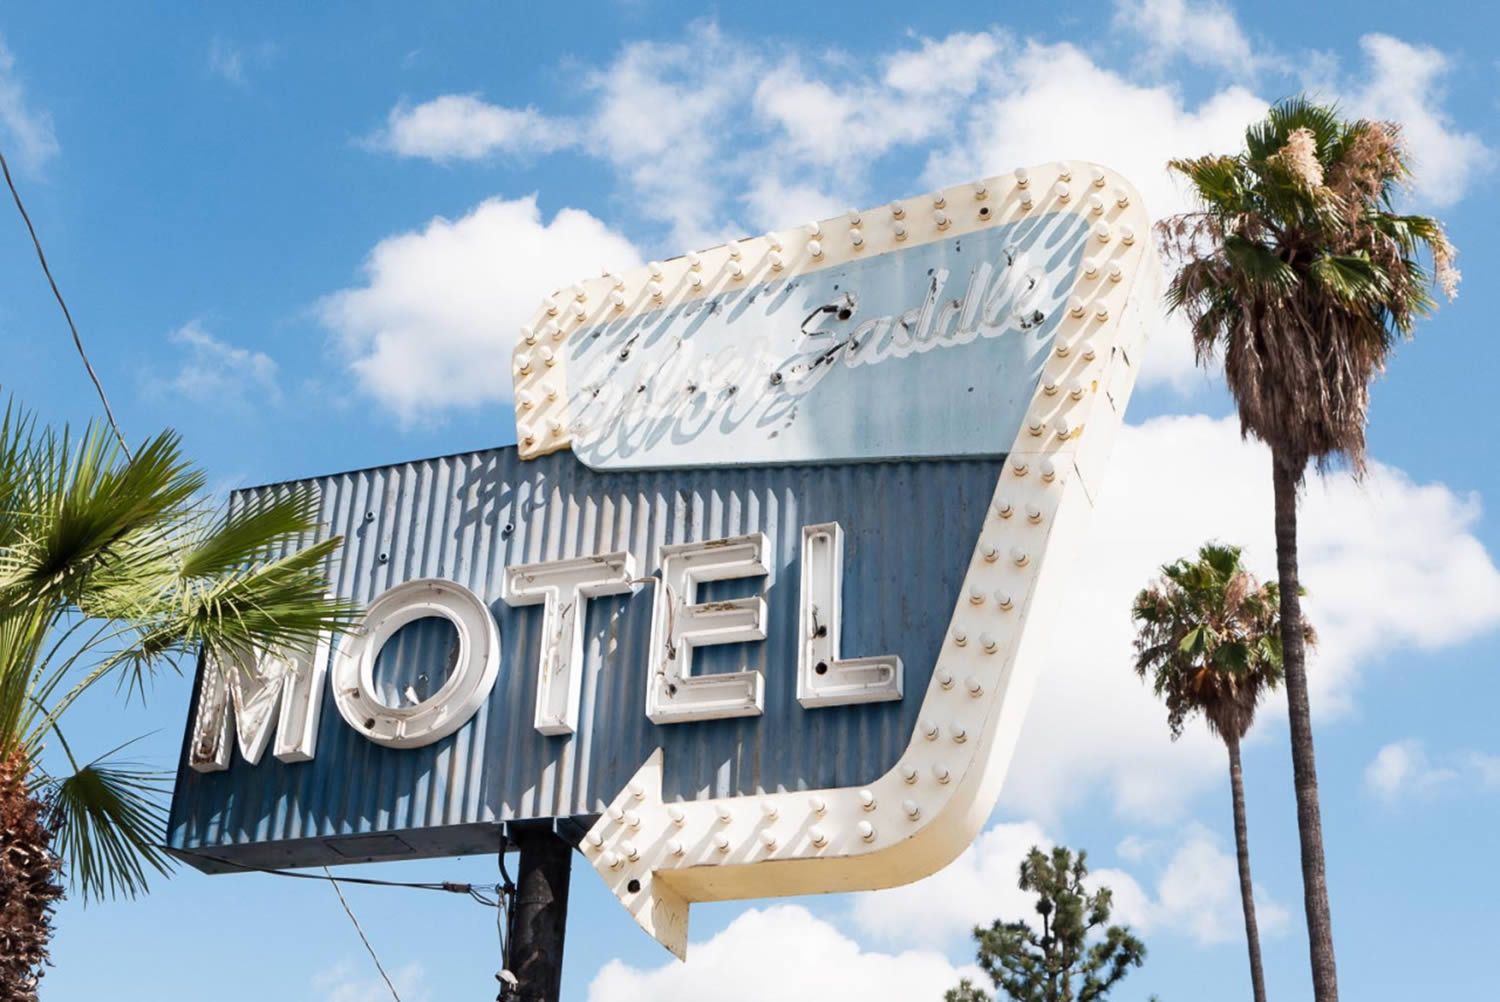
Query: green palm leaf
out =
(109, 821)
(116, 567)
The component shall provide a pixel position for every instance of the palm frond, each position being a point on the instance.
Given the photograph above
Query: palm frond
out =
(1353, 278)
(109, 818)
(112, 566)
(252, 532)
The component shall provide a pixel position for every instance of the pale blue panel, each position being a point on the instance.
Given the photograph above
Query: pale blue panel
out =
(765, 375)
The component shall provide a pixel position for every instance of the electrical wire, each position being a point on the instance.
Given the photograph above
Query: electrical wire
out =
(77, 341)
(451, 887)
(362, 937)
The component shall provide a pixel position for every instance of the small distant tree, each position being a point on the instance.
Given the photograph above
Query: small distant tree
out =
(1056, 963)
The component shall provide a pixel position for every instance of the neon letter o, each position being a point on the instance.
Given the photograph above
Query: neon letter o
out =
(461, 694)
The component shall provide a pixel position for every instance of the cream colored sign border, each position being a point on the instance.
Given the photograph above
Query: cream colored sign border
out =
(915, 819)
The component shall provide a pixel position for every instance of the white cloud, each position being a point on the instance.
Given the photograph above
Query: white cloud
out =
(1486, 767)
(1095, 731)
(786, 953)
(27, 129)
(1196, 893)
(976, 888)
(1403, 83)
(1135, 848)
(343, 982)
(463, 127)
(212, 371)
(233, 62)
(955, 64)
(1058, 101)
(433, 324)
(711, 136)
(1404, 768)
(226, 60)
(667, 116)
(1204, 33)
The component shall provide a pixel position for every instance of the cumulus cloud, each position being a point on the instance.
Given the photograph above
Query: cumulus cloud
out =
(343, 983)
(1058, 100)
(976, 888)
(710, 136)
(1198, 894)
(213, 371)
(1195, 892)
(1405, 769)
(1404, 83)
(432, 325)
(667, 116)
(785, 953)
(1095, 731)
(1204, 33)
(464, 127)
(233, 62)
(26, 128)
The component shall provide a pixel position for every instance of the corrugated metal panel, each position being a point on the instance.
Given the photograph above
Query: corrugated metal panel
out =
(910, 529)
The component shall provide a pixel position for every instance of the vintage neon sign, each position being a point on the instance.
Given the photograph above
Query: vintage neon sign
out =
(776, 392)
(246, 701)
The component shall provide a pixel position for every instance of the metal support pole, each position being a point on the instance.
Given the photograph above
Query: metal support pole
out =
(541, 914)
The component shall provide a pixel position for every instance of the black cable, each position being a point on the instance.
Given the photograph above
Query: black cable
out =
(449, 886)
(505, 923)
(362, 937)
(77, 341)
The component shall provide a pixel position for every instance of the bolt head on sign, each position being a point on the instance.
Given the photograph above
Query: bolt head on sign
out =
(746, 609)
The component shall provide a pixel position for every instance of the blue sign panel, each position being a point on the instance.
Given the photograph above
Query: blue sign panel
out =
(467, 519)
(932, 351)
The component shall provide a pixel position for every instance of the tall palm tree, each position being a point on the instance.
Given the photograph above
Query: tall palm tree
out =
(113, 568)
(1209, 638)
(1300, 271)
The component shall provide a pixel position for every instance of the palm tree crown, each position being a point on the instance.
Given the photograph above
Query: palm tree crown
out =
(1209, 640)
(1298, 269)
(114, 568)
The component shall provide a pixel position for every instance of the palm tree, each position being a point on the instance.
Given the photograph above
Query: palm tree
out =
(1209, 637)
(113, 568)
(1298, 268)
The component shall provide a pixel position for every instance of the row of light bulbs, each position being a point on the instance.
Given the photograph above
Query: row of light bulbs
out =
(627, 850)
(973, 686)
(1067, 346)
(578, 293)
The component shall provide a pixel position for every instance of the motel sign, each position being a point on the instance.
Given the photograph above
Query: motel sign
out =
(745, 611)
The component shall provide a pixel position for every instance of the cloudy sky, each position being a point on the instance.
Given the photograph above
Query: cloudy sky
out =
(303, 239)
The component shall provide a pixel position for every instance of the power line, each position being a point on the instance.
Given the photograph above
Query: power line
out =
(362, 937)
(452, 887)
(77, 341)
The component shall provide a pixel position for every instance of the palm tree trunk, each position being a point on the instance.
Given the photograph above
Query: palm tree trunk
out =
(1242, 849)
(1286, 476)
(28, 884)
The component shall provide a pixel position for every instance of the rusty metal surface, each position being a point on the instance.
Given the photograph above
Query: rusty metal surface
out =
(909, 529)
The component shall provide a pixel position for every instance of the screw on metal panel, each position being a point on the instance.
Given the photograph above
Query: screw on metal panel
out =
(369, 516)
(384, 557)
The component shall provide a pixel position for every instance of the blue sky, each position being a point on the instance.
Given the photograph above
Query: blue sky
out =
(303, 239)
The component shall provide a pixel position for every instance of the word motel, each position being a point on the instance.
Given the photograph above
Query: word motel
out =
(283, 693)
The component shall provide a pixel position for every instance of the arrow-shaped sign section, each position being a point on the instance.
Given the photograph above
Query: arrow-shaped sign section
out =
(659, 857)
